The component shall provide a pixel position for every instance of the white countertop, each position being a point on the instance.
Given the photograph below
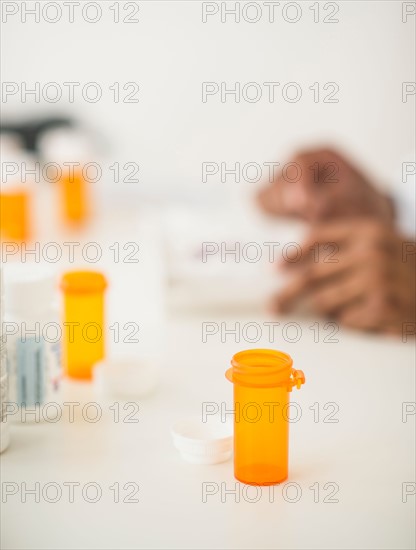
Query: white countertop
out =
(368, 454)
(361, 462)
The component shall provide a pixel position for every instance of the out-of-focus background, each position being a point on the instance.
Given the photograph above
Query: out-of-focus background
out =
(181, 109)
(170, 52)
(150, 84)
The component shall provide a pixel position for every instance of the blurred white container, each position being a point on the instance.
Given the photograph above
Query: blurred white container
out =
(126, 378)
(203, 270)
(33, 334)
(4, 383)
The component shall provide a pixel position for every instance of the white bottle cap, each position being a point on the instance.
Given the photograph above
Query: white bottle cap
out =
(209, 442)
(29, 288)
(65, 145)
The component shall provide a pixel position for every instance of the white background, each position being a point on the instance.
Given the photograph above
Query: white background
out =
(369, 53)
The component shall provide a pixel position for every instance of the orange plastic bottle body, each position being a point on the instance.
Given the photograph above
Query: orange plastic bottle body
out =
(263, 380)
(14, 215)
(84, 331)
(261, 435)
(74, 199)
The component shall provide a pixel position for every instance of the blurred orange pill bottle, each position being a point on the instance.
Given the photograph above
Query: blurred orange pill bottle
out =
(73, 196)
(263, 380)
(16, 201)
(83, 327)
(69, 150)
(14, 214)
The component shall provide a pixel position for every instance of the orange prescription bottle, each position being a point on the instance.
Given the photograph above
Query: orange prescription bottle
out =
(70, 150)
(84, 334)
(16, 203)
(14, 214)
(263, 380)
(73, 196)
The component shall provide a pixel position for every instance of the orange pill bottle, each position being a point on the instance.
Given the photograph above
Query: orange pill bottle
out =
(84, 329)
(70, 151)
(74, 196)
(14, 215)
(263, 380)
(16, 201)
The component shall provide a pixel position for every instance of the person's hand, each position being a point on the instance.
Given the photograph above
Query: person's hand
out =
(321, 185)
(362, 274)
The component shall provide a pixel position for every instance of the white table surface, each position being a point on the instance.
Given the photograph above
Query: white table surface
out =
(368, 453)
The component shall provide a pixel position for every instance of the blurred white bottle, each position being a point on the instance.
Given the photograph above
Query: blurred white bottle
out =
(33, 335)
(4, 397)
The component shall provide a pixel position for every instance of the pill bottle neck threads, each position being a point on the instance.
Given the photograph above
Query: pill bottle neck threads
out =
(264, 368)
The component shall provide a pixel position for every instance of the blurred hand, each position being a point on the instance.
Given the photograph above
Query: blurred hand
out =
(362, 274)
(321, 185)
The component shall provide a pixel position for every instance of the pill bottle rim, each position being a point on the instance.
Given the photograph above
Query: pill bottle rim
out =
(261, 368)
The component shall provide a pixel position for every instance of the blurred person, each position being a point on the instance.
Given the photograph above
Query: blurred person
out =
(358, 263)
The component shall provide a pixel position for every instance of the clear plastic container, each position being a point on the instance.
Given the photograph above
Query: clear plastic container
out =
(263, 380)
